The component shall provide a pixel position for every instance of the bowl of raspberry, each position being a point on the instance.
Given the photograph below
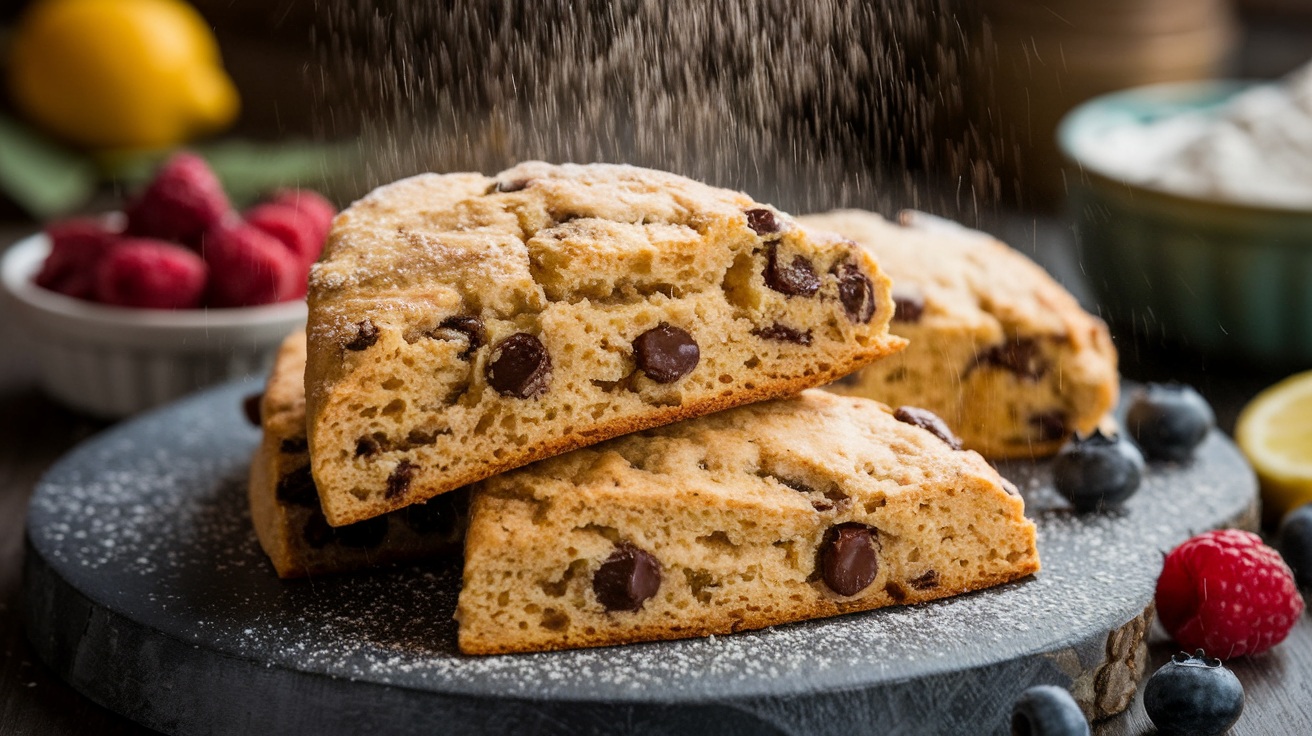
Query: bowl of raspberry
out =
(178, 291)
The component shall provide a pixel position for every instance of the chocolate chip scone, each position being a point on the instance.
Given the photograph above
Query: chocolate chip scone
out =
(285, 504)
(805, 507)
(461, 326)
(998, 348)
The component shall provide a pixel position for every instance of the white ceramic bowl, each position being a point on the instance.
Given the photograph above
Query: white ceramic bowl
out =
(112, 361)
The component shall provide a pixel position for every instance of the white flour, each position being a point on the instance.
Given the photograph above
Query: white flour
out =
(1256, 149)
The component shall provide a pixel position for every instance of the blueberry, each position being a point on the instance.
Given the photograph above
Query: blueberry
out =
(1193, 695)
(1097, 472)
(1047, 710)
(1294, 540)
(1169, 421)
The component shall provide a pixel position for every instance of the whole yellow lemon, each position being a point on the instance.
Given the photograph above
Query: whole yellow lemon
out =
(113, 74)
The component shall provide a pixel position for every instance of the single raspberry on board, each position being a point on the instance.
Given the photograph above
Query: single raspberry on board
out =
(183, 201)
(311, 204)
(249, 266)
(77, 247)
(1227, 593)
(302, 235)
(151, 274)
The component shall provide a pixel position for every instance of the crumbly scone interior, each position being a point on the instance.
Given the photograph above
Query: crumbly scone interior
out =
(997, 348)
(426, 282)
(736, 508)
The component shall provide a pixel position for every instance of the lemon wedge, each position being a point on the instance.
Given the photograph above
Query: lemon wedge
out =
(1275, 432)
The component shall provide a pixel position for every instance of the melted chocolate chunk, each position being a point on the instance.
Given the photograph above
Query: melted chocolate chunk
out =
(763, 221)
(468, 325)
(1020, 356)
(794, 279)
(783, 333)
(294, 445)
(1049, 425)
(925, 582)
(398, 482)
(626, 579)
(519, 366)
(297, 487)
(855, 293)
(366, 334)
(666, 353)
(895, 591)
(362, 534)
(439, 515)
(929, 421)
(250, 406)
(849, 562)
(514, 185)
(908, 308)
(366, 447)
(317, 533)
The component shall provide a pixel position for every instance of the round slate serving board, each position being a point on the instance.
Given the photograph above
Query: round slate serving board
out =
(147, 591)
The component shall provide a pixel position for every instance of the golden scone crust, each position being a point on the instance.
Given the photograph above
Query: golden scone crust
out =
(732, 521)
(285, 505)
(461, 325)
(998, 348)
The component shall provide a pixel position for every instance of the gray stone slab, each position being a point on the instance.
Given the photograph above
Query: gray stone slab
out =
(147, 591)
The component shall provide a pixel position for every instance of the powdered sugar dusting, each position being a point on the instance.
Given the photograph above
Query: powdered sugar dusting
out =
(150, 520)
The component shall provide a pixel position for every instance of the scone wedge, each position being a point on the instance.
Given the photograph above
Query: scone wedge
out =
(998, 348)
(461, 326)
(284, 502)
(799, 508)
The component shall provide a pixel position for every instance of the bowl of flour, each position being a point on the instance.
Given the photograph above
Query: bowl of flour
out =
(1193, 212)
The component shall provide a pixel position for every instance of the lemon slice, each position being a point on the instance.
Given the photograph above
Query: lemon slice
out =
(1275, 432)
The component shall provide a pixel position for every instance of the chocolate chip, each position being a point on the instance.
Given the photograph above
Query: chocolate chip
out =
(855, 292)
(895, 591)
(250, 406)
(1049, 425)
(929, 421)
(470, 326)
(363, 534)
(439, 515)
(514, 185)
(666, 353)
(907, 308)
(297, 487)
(317, 532)
(783, 333)
(626, 579)
(796, 485)
(398, 482)
(925, 582)
(763, 221)
(366, 447)
(1020, 356)
(366, 334)
(519, 366)
(294, 445)
(794, 279)
(849, 562)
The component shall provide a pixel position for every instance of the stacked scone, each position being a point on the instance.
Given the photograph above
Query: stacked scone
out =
(613, 364)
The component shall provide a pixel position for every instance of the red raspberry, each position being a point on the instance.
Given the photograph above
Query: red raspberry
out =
(151, 274)
(1228, 594)
(312, 205)
(291, 227)
(183, 201)
(77, 247)
(249, 267)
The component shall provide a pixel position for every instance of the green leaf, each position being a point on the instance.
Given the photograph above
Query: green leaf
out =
(44, 178)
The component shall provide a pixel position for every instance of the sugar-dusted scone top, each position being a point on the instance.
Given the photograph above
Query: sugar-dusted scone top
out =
(284, 504)
(729, 522)
(998, 348)
(462, 325)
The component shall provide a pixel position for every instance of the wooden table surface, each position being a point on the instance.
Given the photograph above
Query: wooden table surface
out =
(34, 432)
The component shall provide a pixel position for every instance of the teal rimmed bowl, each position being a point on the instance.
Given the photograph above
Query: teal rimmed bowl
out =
(1229, 279)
